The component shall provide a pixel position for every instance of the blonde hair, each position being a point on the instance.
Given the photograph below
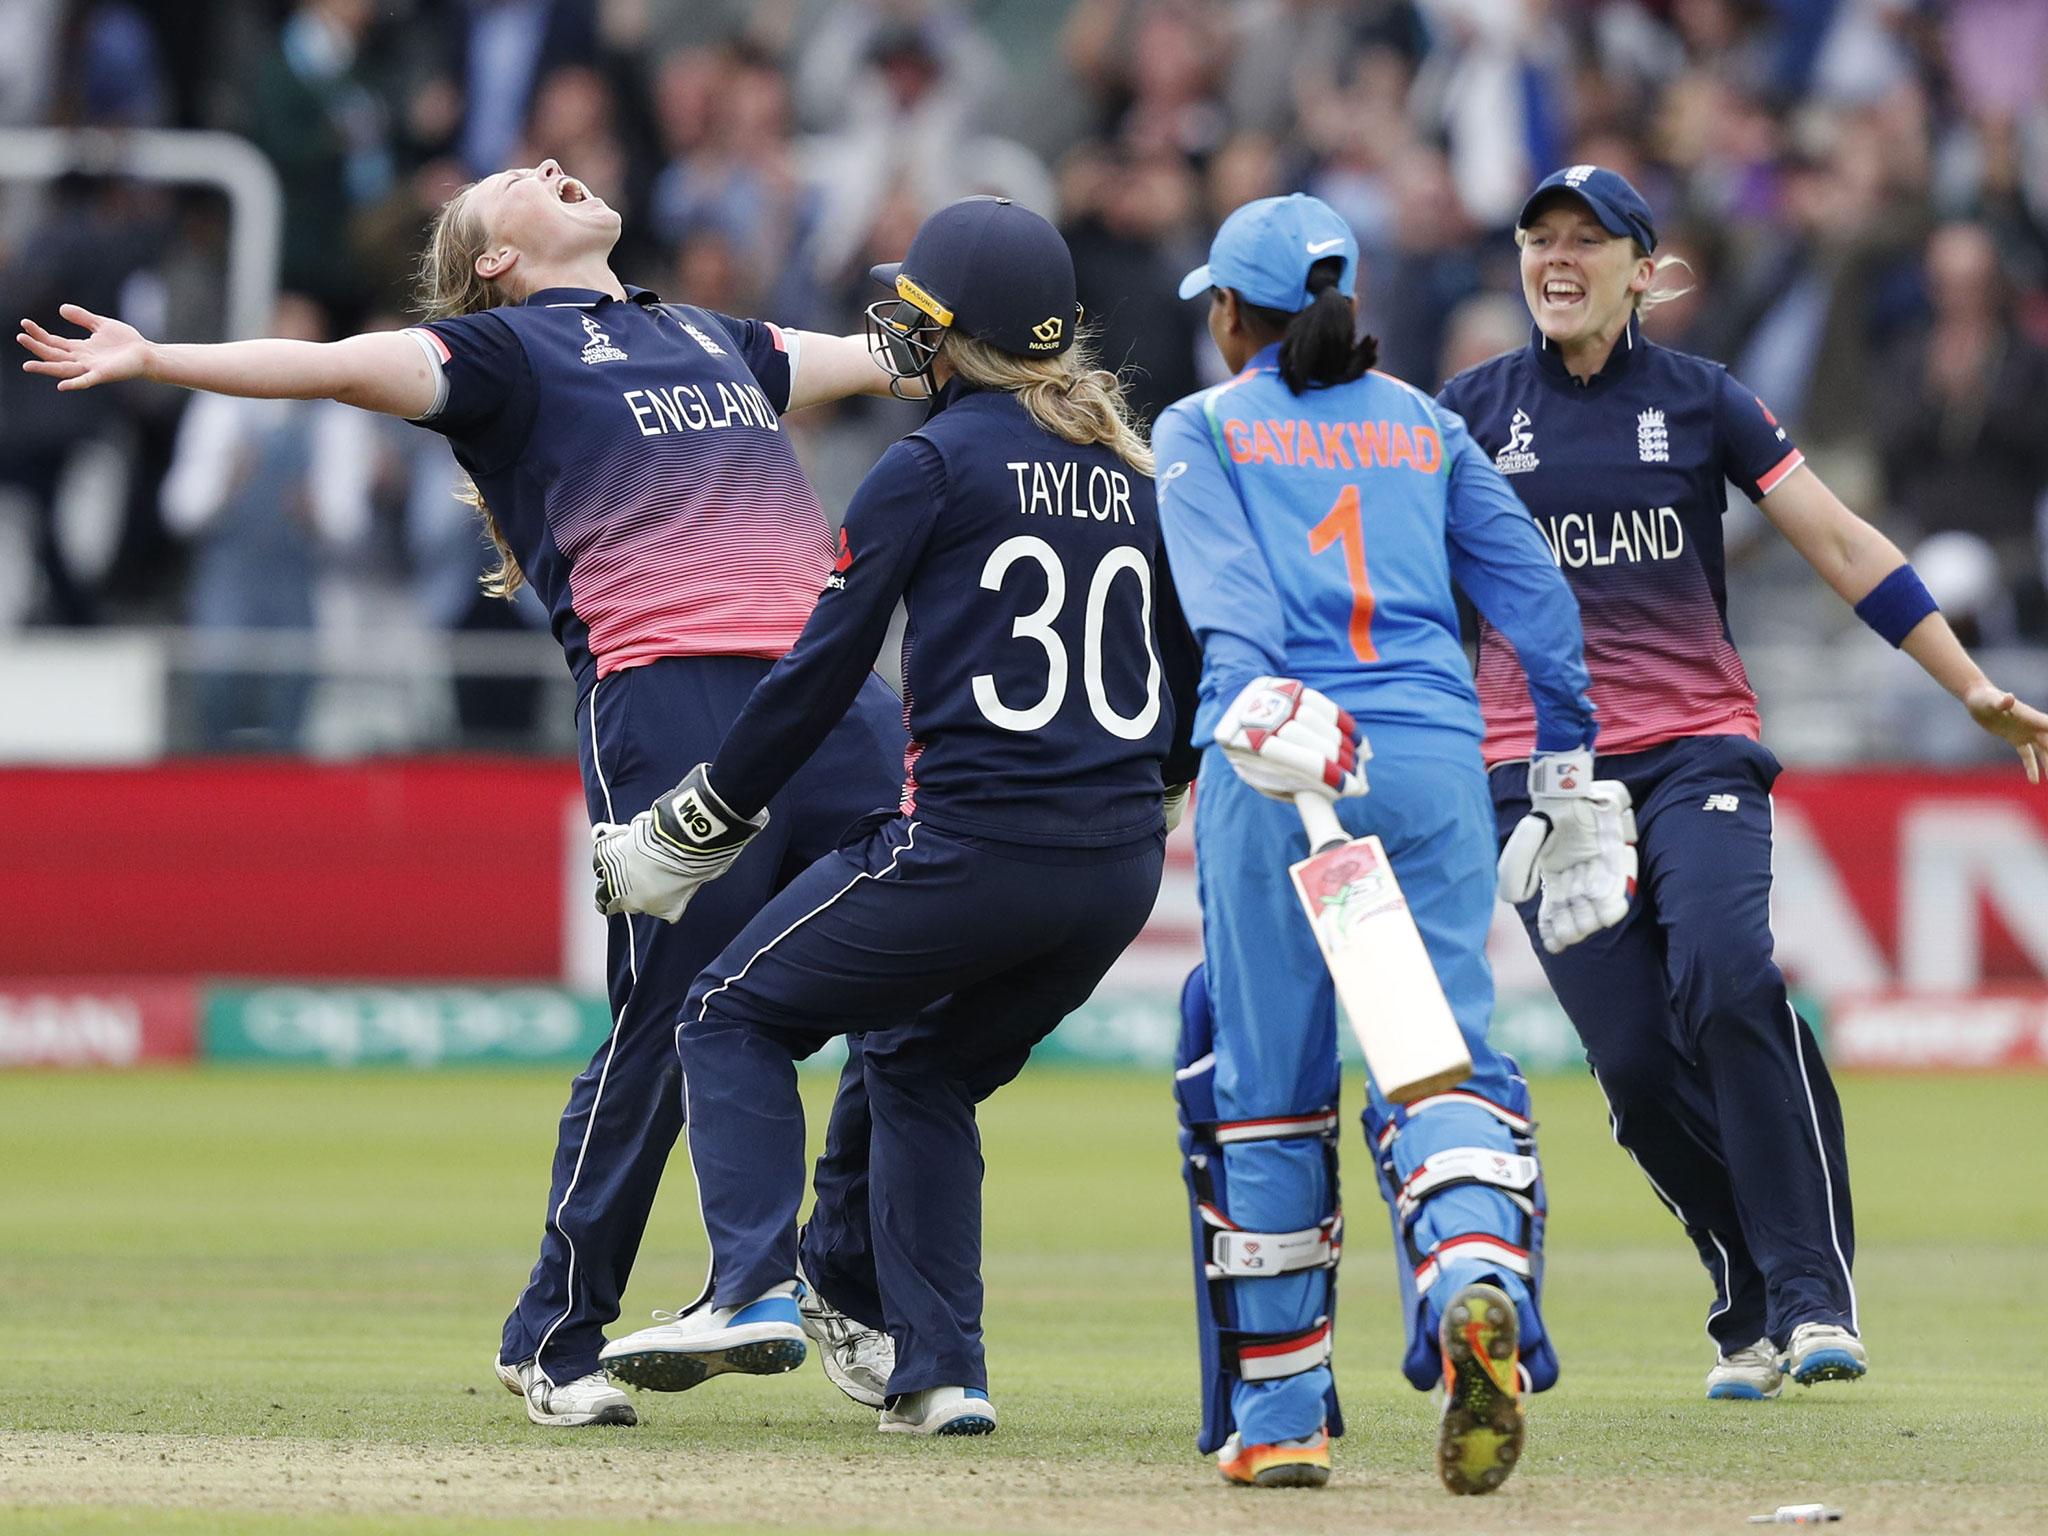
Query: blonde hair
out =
(448, 285)
(1656, 293)
(1070, 396)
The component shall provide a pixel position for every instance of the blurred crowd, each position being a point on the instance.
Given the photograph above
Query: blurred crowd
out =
(1859, 188)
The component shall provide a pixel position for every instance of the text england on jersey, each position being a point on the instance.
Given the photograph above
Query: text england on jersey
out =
(1578, 539)
(696, 408)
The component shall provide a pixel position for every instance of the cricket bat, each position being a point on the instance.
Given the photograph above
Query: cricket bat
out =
(1413, 1046)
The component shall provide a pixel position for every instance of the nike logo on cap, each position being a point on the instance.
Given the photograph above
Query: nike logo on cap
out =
(1317, 247)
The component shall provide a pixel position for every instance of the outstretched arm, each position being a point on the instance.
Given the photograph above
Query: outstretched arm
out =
(1856, 560)
(833, 368)
(381, 371)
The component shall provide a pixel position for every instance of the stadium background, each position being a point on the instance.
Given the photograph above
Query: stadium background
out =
(277, 785)
(195, 600)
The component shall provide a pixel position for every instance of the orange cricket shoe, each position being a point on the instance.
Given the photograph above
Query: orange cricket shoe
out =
(1303, 1463)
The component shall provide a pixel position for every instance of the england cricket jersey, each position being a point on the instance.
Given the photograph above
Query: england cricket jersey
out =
(633, 455)
(1047, 673)
(1625, 476)
(1317, 536)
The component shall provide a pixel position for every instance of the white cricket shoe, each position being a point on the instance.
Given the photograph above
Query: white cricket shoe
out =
(1750, 1375)
(1824, 1352)
(572, 1405)
(857, 1359)
(940, 1411)
(762, 1338)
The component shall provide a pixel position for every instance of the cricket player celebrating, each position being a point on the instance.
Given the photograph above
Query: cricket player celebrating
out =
(1018, 527)
(1317, 514)
(630, 462)
(1621, 450)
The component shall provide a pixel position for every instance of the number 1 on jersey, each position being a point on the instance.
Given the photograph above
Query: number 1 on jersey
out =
(1343, 523)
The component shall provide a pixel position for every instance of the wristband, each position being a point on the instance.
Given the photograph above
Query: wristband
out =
(1896, 604)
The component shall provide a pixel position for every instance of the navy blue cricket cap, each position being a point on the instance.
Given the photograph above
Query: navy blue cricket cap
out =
(995, 270)
(1264, 251)
(1618, 206)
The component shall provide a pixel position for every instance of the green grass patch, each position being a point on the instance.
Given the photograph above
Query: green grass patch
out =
(197, 1265)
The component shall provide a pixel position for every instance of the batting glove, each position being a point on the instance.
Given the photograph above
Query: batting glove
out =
(656, 862)
(1578, 844)
(1284, 739)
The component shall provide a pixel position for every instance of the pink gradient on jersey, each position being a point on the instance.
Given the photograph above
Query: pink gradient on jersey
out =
(663, 565)
(1661, 662)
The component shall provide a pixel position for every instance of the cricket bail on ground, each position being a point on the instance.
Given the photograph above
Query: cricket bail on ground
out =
(1383, 976)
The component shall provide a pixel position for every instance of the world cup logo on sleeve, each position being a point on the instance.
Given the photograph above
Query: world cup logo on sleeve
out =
(1515, 456)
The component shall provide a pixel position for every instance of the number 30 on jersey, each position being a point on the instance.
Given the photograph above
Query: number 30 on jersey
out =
(1037, 626)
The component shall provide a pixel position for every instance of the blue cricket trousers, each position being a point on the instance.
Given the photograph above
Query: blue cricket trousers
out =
(1715, 1084)
(955, 955)
(639, 731)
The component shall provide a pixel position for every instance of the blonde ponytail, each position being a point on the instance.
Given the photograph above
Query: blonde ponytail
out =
(1070, 396)
(449, 284)
(1657, 293)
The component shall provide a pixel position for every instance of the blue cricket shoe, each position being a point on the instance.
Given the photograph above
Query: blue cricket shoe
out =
(763, 1338)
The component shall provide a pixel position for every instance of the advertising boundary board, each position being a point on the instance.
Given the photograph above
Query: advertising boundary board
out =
(97, 1022)
(365, 921)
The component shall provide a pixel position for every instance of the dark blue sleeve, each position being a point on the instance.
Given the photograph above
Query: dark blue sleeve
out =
(1756, 453)
(765, 349)
(487, 394)
(795, 706)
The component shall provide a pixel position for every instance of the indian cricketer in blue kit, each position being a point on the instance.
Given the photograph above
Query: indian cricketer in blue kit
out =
(1622, 449)
(1018, 527)
(1316, 515)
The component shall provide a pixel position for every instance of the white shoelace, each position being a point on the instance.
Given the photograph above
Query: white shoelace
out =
(870, 1350)
(1763, 1353)
(839, 1329)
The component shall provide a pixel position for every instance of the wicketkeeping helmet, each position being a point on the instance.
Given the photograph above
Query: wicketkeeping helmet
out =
(986, 266)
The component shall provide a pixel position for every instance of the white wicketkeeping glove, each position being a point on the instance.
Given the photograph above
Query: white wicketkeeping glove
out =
(1578, 843)
(656, 862)
(1284, 739)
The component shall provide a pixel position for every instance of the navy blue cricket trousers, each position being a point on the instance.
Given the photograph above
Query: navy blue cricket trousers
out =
(1714, 1083)
(955, 955)
(640, 731)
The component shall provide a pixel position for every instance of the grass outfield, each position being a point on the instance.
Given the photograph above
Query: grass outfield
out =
(252, 1301)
